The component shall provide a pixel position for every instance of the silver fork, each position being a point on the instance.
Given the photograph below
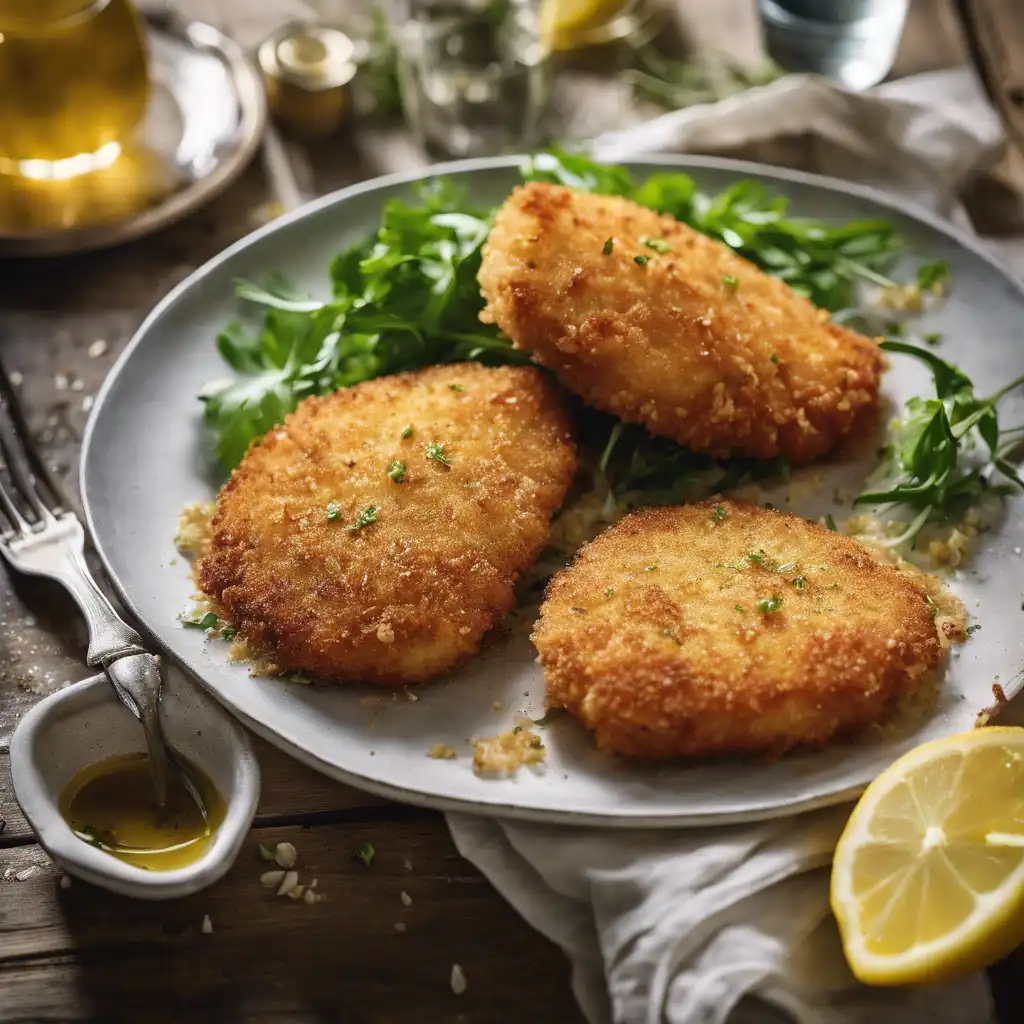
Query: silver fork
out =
(42, 536)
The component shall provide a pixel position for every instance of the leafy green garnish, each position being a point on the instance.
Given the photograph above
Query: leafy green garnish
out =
(641, 261)
(731, 282)
(368, 515)
(406, 432)
(768, 605)
(228, 632)
(208, 620)
(456, 387)
(608, 591)
(435, 452)
(775, 357)
(365, 852)
(396, 471)
(608, 246)
(718, 514)
(932, 468)
(800, 583)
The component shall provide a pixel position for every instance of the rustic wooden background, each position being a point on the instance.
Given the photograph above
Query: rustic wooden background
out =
(363, 955)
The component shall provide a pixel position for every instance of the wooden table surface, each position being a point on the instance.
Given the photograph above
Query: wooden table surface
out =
(363, 954)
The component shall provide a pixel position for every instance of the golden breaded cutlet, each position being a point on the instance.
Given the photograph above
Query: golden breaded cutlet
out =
(377, 534)
(686, 338)
(722, 627)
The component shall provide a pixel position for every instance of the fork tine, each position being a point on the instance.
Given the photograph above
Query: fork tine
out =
(17, 520)
(21, 438)
(18, 467)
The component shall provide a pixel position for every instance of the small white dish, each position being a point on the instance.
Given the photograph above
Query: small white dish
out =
(85, 723)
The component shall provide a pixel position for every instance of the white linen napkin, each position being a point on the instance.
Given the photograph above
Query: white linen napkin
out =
(680, 925)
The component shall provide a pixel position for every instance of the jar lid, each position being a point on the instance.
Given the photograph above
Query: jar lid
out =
(314, 58)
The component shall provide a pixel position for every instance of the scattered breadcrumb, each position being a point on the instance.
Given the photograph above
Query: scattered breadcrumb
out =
(441, 752)
(97, 349)
(507, 752)
(999, 701)
(458, 980)
(193, 533)
(207, 925)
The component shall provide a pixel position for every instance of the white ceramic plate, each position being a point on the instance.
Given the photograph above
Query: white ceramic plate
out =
(146, 455)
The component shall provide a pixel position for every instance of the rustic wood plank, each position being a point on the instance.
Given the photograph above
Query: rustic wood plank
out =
(84, 954)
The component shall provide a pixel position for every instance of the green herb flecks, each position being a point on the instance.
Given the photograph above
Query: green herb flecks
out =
(396, 471)
(406, 432)
(933, 276)
(657, 244)
(932, 606)
(641, 261)
(934, 338)
(608, 246)
(947, 452)
(228, 632)
(800, 583)
(368, 515)
(775, 357)
(718, 514)
(738, 608)
(608, 591)
(435, 452)
(456, 387)
(830, 522)
(650, 568)
(730, 282)
(365, 852)
(769, 605)
(333, 511)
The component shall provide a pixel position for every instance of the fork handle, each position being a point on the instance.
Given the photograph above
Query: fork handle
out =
(109, 636)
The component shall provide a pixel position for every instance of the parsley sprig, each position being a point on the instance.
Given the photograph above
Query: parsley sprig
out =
(947, 451)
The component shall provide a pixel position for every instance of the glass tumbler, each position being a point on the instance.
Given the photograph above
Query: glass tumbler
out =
(73, 84)
(474, 75)
(851, 41)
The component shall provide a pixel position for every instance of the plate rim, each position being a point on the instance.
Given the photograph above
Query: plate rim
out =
(416, 797)
(252, 104)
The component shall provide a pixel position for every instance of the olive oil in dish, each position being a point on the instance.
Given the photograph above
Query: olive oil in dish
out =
(112, 805)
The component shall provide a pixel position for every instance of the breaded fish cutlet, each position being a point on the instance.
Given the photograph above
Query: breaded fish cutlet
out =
(722, 627)
(648, 319)
(377, 534)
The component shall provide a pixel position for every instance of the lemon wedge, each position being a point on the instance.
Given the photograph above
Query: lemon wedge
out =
(928, 876)
(562, 22)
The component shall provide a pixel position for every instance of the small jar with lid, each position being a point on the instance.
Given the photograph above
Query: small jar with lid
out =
(307, 71)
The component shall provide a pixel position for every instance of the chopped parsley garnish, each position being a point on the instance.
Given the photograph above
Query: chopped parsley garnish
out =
(757, 557)
(406, 433)
(718, 514)
(456, 387)
(228, 632)
(800, 583)
(472, 483)
(767, 605)
(365, 852)
(435, 452)
(640, 261)
(650, 568)
(932, 338)
(370, 514)
(933, 275)
(775, 357)
(608, 591)
(895, 329)
(333, 511)
(657, 244)
(932, 606)
(670, 632)
(831, 523)
(730, 282)
(396, 471)
(208, 620)
(608, 246)
(738, 608)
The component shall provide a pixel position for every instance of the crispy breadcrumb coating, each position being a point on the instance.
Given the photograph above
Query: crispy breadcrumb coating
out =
(722, 627)
(687, 338)
(377, 534)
